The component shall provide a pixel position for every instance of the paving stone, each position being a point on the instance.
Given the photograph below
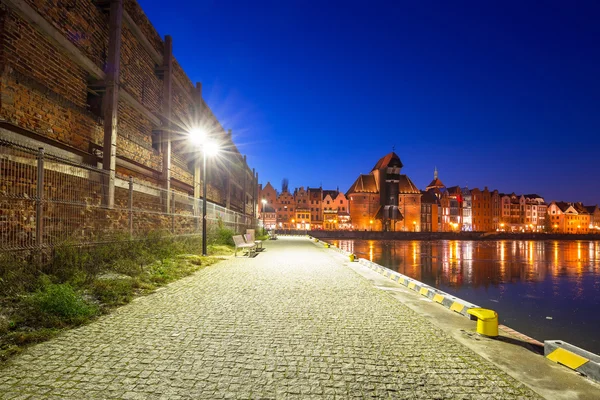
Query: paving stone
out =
(293, 322)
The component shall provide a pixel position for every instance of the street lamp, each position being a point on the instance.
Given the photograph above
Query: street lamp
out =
(371, 222)
(414, 226)
(199, 137)
(264, 202)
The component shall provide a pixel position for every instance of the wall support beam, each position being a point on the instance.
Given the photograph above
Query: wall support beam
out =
(111, 100)
(167, 113)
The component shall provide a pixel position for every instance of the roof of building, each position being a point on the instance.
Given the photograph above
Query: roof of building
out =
(453, 190)
(532, 196)
(592, 209)
(363, 184)
(580, 208)
(436, 183)
(389, 160)
(405, 185)
(332, 193)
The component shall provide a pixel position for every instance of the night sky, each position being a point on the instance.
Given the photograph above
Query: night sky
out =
(499, 94)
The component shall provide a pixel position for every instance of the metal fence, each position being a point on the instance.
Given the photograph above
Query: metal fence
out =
(46, 200)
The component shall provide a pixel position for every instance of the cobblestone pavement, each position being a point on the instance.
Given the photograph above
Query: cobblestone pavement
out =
(293, 322)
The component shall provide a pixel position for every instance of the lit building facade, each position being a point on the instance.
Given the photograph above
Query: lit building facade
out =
(568, 217)
(315, 196)
(385, 199)
(286, 210)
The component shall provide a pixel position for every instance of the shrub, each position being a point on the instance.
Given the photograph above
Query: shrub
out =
(17, 275)
(59, 305)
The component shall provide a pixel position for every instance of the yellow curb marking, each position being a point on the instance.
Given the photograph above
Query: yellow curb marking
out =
(567, 358)
(456, 306)
(412, 285)
(438, 298)
(424, 291)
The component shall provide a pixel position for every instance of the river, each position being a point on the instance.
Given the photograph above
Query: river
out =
(544, 289)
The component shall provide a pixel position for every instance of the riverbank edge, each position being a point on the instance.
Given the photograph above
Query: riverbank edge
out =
(585, 362)
(368, 235)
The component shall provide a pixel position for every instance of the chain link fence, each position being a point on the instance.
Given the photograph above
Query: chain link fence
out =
(46, 199)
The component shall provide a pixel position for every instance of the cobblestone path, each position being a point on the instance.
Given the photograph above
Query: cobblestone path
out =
(294, 322)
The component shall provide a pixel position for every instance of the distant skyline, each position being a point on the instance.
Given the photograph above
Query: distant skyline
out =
(498, 94)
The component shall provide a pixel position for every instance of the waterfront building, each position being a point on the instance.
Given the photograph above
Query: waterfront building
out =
(267, 193)
(482, 210)
(269, 217)
(496, 210)
(535, 211)
(384, 199)
(451, 203)
(409, 204)
(286, 210)
(302, 215)
(436, 183)
(315, 196)
(336, 215)
(430, 205)
(364, 202)
(568, 217)
(594, 212)
(467, 210)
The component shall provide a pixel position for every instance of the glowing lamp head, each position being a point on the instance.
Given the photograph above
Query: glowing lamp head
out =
(198, 136)
(211, 147)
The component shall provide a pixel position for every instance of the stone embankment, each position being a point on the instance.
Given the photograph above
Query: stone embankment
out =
(368, 235)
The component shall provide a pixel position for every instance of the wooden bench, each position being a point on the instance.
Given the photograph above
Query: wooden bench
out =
(239, 242)
(251, 238)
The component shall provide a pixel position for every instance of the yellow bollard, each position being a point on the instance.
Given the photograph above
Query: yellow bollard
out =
(487, 321)
(351, 256)
(326, 245)
(316, 240)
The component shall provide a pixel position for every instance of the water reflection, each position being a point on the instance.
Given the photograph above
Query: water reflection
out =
(547, 289)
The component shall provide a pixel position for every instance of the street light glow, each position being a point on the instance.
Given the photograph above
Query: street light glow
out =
(198, 136)
(211, 147)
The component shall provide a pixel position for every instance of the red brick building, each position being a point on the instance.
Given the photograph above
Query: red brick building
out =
(384, 199)
(96, 83)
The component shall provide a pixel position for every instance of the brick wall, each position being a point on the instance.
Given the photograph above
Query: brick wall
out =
(44, 91)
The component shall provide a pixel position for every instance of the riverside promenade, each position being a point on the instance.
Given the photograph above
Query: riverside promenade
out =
(294, 322)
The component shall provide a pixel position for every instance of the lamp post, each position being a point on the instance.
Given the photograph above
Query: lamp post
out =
(200, 138)
(264, 202)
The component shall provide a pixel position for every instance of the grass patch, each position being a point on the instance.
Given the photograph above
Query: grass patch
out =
(60, 305)
(113, 291)
(78, 283)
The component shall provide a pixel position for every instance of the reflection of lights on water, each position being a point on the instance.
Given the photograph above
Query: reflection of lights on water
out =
(371, 243)
(414, 251)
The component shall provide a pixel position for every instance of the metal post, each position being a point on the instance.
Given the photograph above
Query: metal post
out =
(111, 101)
(39, 208)
(131, 207)
(173, 212)
(204, 202)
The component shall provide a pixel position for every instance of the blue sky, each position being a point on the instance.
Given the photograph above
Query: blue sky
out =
(497, 93)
